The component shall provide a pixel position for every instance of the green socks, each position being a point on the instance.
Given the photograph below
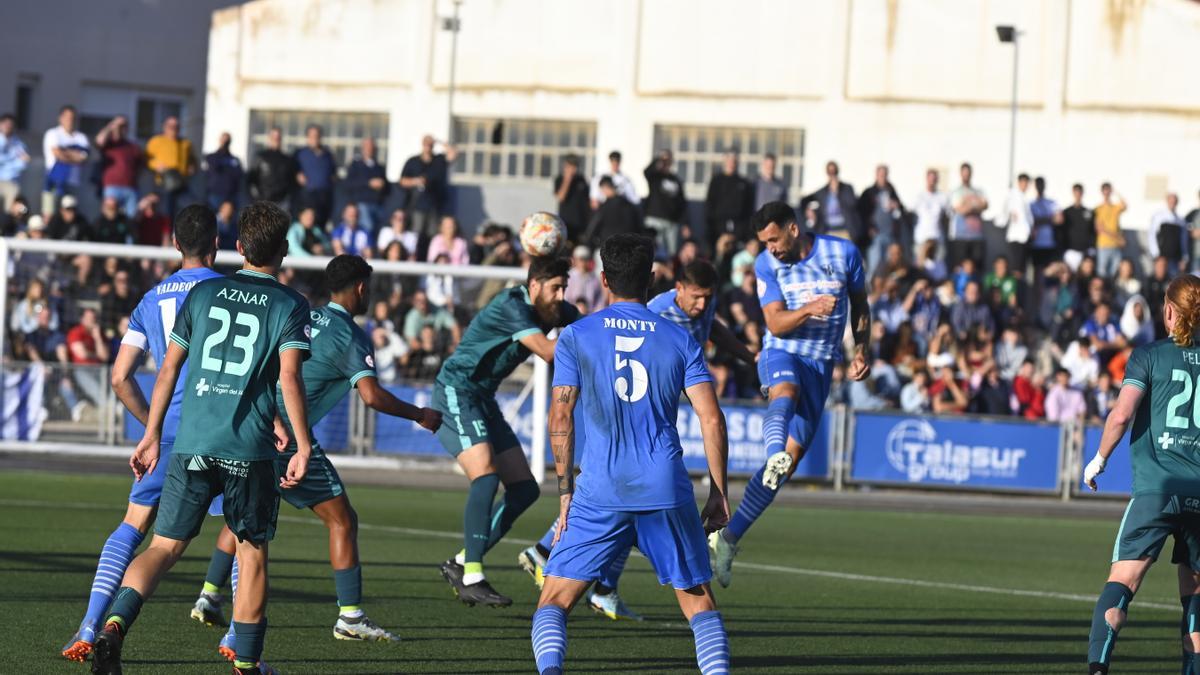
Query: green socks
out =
(1103, 636)
(348, 583)
(125, 607)
(477, 519)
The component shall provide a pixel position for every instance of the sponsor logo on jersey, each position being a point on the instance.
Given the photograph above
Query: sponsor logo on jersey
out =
(914, 449)
(308, 332)
(370, 361)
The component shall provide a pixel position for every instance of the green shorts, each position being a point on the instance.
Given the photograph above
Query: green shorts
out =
(470, 419)
(251, 501)
(321, 482)
(1151, 518)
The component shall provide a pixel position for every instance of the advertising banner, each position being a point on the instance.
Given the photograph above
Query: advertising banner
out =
(1117, 478)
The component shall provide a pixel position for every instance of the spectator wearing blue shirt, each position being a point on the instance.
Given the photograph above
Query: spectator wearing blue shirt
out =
(367, 186)
(1102, 332)
(349, 237)
(970, 312)
(1045, 244)
(889, 307)
(316, 173)
(14, 157)
(224, 175)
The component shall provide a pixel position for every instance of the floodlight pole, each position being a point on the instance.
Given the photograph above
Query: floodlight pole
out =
(452, 25)
(1009, 34)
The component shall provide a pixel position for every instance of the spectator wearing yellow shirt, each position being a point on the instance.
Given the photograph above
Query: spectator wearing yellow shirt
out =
(173, 162)
(1109, 240)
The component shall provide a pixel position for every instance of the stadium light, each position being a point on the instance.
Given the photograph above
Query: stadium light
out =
(452, 24)
(1009, 35)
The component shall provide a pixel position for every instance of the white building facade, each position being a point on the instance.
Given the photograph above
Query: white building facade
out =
(1106, 89)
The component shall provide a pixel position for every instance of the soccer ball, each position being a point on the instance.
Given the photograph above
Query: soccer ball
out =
(543, 233)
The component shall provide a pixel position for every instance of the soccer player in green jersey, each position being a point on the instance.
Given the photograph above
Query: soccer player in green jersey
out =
(342, 358)
(512, 326)
(1158, 396)
(241, 335)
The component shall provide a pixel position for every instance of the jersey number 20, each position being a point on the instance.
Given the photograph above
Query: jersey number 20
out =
(625, 391)
(242, 343)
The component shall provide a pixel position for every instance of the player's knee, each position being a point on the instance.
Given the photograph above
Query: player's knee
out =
(140, 517)
(1115, 618)
(1191, 643)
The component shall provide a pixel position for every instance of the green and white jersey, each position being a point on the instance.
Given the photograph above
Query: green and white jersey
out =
(1165, 439)
(342, 354)
(234, 328)
(491, 350)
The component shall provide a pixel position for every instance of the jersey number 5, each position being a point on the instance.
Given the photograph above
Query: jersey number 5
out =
(625, 391)
(242, 343)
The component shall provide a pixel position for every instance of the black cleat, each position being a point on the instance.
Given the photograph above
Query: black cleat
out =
(452, 572)
(106, 653)
(1097, 669)
(247, 671)
(482, 593)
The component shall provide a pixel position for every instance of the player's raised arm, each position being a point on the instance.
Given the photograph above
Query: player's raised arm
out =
(129, 359)
(145, 456)
(291, 383)
(562, 443)
(376, 397)
(716, 450)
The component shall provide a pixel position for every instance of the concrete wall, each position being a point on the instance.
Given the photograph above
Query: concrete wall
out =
(1106, 88)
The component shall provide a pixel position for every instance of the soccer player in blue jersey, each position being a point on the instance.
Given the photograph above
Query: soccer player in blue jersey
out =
(626, 366)
(692, 305)
(149, 325)
(808, 285)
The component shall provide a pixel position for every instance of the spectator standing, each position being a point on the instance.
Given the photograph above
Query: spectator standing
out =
(64, 150)
(426, 181)
(154, 228)
(1064, 403)
(1044, 246)
(836, 208)
(1017, 222)
(767, 186)
(966, 228)
(880, 210)
(571, 192)
(112, 227)
(932, 211)
(224, 174)
(397, 231)
(349, 237)
(666, 205)
(1080, 230)
(1109, 239)
(14, 158)
(616, 215)
(306, 239)
(368, 187)
(1167, 235)
(68, 224)
(171, 159)
(121, 159)
(272, 174)
(316, 174)
(620, 181)
(729, 203)
(449, 243)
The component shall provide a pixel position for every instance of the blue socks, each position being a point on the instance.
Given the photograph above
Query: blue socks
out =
(348, 583)
(114, 559)
(776, 422)
(477, 516)
(517, 498)
(611, 575)
(712, 645)
(248, 642)
(547, 541)
(549, 638)
(1104, 636)
(755, 500)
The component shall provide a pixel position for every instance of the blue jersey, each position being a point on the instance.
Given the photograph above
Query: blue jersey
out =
(833, 267)
(630, 366)
(151, 322)
(700, 327)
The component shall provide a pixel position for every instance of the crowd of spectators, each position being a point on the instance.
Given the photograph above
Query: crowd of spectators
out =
(1019, 306)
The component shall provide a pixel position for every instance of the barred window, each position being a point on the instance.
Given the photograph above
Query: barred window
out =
(699, 152)
(342, 132)
(526, 150)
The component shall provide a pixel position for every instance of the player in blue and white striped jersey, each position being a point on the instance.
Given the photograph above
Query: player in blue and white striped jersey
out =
(808, 286)
(692, 305)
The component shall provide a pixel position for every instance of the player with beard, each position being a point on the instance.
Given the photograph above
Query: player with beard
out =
(512, 326)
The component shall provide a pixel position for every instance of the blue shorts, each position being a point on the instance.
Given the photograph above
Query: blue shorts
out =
(811, 378)
(671, 539)
(148, 491)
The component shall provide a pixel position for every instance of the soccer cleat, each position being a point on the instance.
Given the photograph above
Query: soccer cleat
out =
(531, 561)
(226, 648)
(723, 553)
(777, 468)
(452, 572)
(208, 610)
(482, 593)
(612, 606)
(261, 669)
(80, 645)
(106, 652)
(363, 629)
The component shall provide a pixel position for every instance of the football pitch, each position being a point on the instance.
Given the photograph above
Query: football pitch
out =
(815, 590)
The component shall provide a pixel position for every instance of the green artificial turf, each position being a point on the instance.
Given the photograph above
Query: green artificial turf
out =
(817, 591)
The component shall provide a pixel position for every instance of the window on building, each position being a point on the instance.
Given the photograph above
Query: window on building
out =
(153, 110)
(342, 132)
(23, 106)
(520, 149)
(699, 152)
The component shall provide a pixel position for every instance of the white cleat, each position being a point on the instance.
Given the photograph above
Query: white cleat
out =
(532, 562)
(208, 610)
(777, 469)
(362, 629)
(723, 553)
(612, 606)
